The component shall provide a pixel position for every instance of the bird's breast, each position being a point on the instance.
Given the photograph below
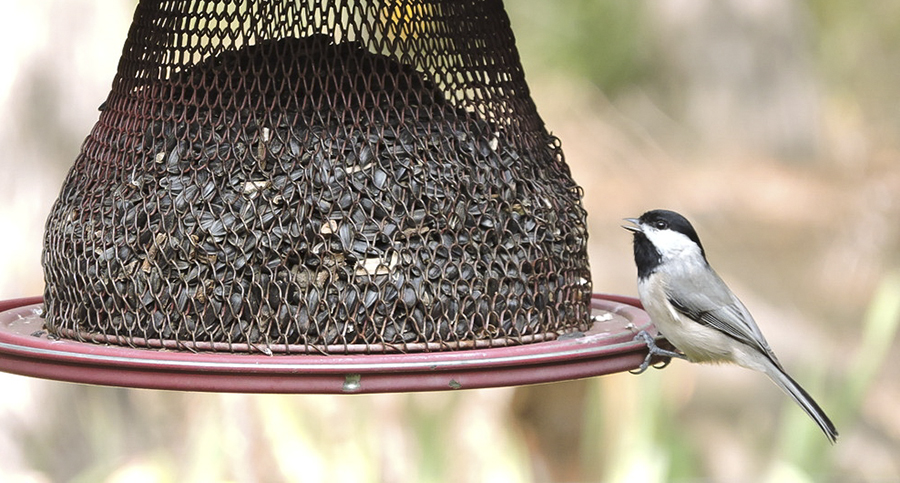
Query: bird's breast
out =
(699, 342)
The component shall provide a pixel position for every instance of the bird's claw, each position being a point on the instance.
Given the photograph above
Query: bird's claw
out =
(654, 351)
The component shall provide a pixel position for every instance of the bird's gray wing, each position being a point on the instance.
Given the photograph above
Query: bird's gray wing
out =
(707, 300)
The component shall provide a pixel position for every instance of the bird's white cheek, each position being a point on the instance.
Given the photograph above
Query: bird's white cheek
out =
(671, 244)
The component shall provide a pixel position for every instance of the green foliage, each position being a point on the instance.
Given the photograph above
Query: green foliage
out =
(603, 42)
(857, 53)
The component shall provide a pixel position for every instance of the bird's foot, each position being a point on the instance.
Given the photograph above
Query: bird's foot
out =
(654, 352)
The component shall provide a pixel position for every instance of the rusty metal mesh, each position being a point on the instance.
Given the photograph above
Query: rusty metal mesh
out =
(318, 176)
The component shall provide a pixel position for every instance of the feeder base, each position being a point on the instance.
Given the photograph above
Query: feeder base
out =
(608, 347)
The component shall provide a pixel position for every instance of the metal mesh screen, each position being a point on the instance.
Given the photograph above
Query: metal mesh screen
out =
(328, 176)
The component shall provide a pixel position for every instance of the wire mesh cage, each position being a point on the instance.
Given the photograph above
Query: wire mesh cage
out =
(320, 176)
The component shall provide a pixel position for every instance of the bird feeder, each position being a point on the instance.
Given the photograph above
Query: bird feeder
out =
(358, 187)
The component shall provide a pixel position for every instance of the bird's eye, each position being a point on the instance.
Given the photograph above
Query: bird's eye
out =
(661, 224)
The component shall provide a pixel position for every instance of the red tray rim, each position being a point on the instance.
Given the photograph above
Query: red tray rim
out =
(607, 348)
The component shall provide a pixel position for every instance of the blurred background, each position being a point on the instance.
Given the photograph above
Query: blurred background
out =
(773, 125)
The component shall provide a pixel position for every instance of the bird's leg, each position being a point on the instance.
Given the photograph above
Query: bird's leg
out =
(654, 350)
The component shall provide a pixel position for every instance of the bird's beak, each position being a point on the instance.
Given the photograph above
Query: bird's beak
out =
(637, 225)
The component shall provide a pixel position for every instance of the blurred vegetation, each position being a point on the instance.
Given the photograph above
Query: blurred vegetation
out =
(857, 52)
(773, 125)
(603, 42)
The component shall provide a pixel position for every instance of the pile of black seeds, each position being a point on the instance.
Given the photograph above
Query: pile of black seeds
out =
(256, 219)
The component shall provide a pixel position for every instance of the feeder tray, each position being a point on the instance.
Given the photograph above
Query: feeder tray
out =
(322, 177)
(607, 347)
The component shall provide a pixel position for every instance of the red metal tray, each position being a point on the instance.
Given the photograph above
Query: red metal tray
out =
(606, 348)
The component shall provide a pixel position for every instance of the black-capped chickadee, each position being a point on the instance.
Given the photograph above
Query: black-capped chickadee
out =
(696, 312)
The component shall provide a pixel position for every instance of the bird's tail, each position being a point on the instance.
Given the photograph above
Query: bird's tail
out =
(801, 397)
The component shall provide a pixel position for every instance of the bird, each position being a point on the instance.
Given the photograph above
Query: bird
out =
(695, 311)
